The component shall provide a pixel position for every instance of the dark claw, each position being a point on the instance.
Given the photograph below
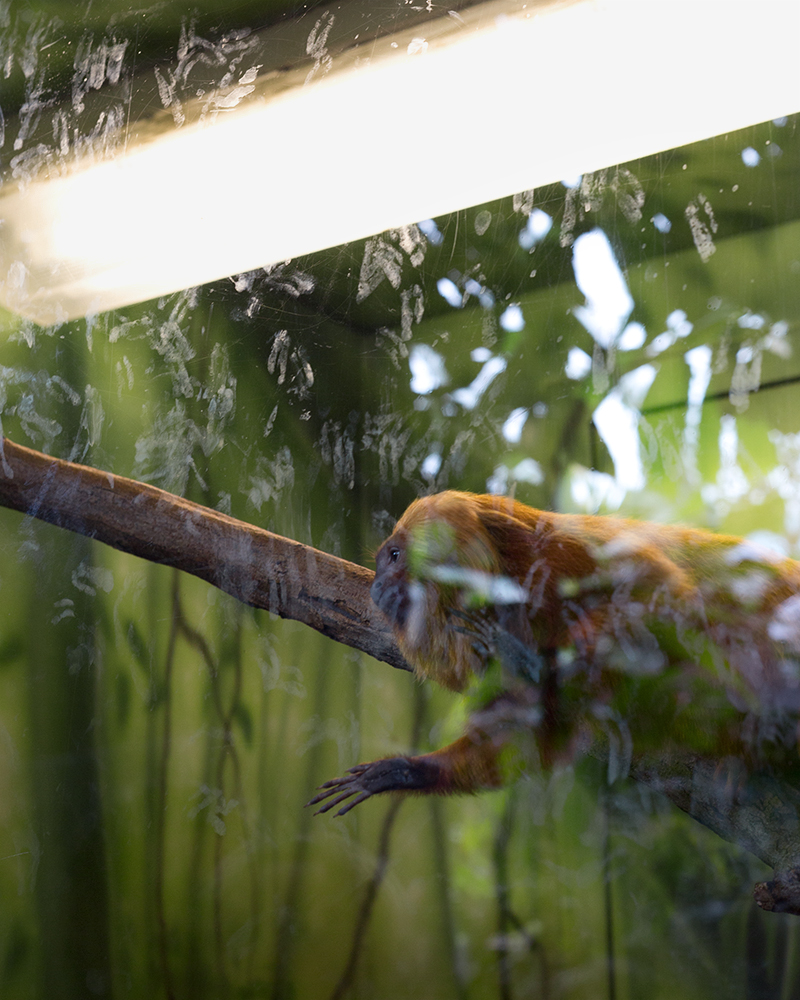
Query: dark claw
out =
(338, 789)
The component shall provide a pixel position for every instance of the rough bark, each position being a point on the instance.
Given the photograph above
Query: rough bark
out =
(260, 568)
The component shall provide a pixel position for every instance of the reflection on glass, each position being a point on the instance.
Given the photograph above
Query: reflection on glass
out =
(623, 342)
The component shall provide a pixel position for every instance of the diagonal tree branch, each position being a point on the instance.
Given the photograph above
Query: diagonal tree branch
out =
(264, 570)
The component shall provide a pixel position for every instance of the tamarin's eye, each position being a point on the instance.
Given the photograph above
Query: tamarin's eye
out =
(394, 555)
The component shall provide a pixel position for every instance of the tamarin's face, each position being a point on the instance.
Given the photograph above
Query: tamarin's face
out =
(390, 589)
(411, 560)
(424, 587)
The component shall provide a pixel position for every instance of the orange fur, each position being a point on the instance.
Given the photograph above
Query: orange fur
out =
(582, 610)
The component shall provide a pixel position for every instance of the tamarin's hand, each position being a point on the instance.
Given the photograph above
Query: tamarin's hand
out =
(407, 774)
(573, 626)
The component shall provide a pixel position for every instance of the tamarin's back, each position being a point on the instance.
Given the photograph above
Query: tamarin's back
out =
(596, 585)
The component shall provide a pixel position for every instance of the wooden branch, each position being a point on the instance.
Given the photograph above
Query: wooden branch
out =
(264, 570)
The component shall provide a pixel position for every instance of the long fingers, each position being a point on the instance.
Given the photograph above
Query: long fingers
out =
(349, 806)
(337, 782)
(335, 801)
(333, 783)
(338, 789)
(330, 788)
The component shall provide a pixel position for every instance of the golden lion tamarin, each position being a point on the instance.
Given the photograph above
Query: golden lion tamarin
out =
(569, 626)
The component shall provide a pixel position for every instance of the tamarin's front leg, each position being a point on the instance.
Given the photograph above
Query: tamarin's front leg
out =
(471, 764)
(463, 766)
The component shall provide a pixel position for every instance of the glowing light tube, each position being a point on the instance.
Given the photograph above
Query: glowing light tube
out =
(508, 97)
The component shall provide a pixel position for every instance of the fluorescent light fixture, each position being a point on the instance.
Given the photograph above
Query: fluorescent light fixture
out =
(504, 97)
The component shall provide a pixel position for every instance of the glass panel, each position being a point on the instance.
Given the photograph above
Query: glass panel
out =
(621, 342)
